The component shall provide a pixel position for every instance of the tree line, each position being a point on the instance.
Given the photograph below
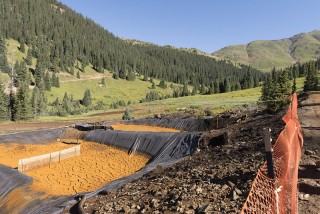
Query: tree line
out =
(280, 84)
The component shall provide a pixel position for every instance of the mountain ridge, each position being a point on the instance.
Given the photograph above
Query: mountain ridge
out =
(266, 54)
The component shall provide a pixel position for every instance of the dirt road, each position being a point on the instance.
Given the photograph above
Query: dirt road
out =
(309, 170)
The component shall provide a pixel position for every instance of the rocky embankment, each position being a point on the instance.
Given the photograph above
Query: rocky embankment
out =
(217, 179)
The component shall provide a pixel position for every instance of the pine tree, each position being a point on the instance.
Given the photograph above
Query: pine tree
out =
(311, 81)
(22, 46)
(163, 84)
(24, 110)
(3, 103)
(238, 86)
(38, 102)
(123, 73)
(29, 57)
(294, 85)
(115, 75)
(47, 82)
(227, 87)
(34, 100)
(194, 91)
(12, 106)
(55, 80)
(185, 90)
(203, 89)
(39, 75)
(126, 115)
(153, 86)
(66, 104)
(145, 78)
(131, 76)
(87, 101)
(22, 73)
(4, 67)
(276, 91)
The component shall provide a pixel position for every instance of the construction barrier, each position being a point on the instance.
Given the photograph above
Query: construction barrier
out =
(47, 159)
(279, 195)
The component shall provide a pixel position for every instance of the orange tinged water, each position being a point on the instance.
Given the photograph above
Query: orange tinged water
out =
(142, 128)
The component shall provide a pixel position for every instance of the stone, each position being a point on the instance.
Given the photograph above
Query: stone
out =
(155, 203)
(231, 184)
(304, 197)
(237, 191)
(309, 152)
(199, 190)
(234, 195)
(204, 209)
(224, 187)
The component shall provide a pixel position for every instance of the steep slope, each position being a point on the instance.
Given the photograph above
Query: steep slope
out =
(266, 54)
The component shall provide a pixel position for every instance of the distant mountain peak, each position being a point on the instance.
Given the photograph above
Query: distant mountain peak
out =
(266, 54)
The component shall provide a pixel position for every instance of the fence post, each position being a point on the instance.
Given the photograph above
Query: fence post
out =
(267, 144)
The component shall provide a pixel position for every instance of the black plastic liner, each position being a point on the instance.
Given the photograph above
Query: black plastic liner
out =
(163, 148)
(33, 137)
(186, 124)
(91, 126)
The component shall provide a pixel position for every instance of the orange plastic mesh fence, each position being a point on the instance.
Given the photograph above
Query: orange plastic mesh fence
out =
(279, 195)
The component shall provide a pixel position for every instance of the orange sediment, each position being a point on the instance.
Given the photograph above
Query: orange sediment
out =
(142, 128)
(96, 166)
(10, 154)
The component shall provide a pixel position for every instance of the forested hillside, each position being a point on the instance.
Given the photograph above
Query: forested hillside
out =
(59, 37)
(266, 54)
(55, 40)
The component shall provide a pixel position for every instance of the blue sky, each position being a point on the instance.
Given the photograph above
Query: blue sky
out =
(207, 25)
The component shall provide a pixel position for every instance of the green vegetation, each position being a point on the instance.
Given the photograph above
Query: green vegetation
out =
(88, 69)
(126, 115)
(266, 54)
(312, 79)
(113, 91)
(3, 103)
(279, 85)
(276, 91)
(63, 62)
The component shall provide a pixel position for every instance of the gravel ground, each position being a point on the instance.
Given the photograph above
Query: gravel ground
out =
(309, 170)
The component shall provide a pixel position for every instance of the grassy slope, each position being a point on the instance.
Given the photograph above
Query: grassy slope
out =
(115, 90)
(306, 46)
(235, 53)
(266, 54)
(216, 102)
